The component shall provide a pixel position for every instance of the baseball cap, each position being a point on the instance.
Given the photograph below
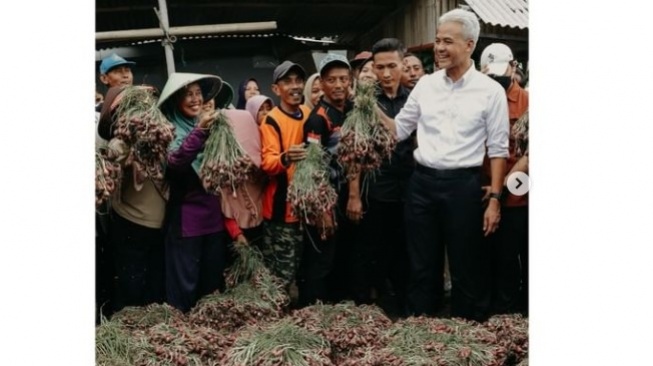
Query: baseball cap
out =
(360, 59)
(285, 67)
(333, 58)
(496, 56)
(112, 61)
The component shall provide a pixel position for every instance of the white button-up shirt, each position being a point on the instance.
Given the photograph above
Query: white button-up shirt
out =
(454, 120)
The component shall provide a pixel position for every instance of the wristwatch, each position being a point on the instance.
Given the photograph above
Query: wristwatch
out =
(284, 159)
(497, 196)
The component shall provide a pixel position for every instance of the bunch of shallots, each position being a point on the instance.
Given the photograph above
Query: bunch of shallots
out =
(282, 343)
(310, 194)
(135, 318)
(145, 131)
(107, 178)
(351, 329)
(238, 307)
(512, 333)
(427, 341)
(365, 141)
(520, 134)
(181, 344)
(225, 163)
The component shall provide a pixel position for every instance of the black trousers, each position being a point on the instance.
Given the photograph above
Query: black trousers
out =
(379, 253)
(103, 268)
(315, 266)
(523, 261)
(445, 208)
(506, 245)
(138, 263)
(194, 267)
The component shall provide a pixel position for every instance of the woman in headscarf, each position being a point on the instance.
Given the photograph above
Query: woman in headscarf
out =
(312, 90)
(195, 238)
(259, 106)
(242, 213)
(246, 90)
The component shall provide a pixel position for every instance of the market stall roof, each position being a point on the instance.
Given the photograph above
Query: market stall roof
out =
(507, 13)
(342, 20)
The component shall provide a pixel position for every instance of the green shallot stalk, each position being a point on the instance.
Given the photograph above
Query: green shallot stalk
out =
(280, 343)
(225, 163)
(113, 344)
(310, 194)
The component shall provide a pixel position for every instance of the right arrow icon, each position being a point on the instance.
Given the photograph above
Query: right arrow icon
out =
(519, 183)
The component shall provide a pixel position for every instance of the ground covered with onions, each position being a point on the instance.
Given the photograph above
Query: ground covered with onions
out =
(251, 324)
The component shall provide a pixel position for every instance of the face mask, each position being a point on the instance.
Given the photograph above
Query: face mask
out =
(505, 81)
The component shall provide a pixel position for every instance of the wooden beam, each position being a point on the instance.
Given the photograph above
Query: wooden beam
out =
(352, 5)
(186, 31)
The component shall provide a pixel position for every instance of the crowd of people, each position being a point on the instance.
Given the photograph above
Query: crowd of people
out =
(434, 221)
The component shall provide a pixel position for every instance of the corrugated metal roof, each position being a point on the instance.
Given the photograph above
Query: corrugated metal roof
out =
(507, 13)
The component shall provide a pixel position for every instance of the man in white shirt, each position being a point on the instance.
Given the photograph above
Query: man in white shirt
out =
(458, 112)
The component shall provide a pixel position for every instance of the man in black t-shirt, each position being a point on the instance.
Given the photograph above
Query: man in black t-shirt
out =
(382, 253)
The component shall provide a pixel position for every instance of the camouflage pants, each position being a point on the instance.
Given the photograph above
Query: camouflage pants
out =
(282, 249)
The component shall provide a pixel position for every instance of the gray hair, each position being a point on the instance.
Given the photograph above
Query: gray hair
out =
(469, 21)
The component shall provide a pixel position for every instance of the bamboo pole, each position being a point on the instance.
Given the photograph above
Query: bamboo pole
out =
(162, 14)
(185, 31)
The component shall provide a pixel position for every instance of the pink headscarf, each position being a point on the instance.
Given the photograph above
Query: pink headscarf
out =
(247, 132)
(254, 104)
(246, 207)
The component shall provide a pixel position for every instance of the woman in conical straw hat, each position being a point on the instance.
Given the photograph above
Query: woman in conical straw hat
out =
(196, 239)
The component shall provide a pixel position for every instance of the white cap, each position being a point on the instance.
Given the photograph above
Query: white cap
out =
(496, 57)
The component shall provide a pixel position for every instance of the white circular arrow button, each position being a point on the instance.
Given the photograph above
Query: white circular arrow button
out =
(519, 183)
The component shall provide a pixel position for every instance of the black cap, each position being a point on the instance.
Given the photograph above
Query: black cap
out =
(285, 67)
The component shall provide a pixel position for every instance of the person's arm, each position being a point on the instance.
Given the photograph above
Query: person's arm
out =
(187, 152)
(403, 125)
(234, 230)
(273, 160)
(315, 130)
(271, 154)
(354, 203)
(520, 166)
(192, 144)
(497, 128)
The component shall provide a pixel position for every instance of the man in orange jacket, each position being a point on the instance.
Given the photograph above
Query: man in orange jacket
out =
(282, 136)
(508, 246)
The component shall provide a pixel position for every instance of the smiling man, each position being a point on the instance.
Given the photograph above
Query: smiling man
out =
(282, 135)
(323, 127)
(116, 71)
(458, 112)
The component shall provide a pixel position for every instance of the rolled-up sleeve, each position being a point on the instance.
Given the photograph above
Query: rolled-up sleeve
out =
(188, 150)
(498, 126)
(406, 120)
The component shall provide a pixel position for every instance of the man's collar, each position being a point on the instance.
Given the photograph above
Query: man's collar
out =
(349, 105)
(401, 91)
(468, 75)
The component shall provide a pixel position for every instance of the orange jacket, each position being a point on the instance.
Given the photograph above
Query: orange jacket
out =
(279, 131)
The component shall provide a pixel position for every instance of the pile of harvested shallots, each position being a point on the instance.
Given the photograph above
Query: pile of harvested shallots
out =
(250, 324)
